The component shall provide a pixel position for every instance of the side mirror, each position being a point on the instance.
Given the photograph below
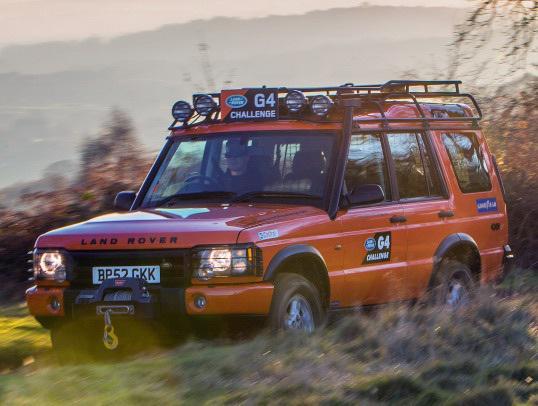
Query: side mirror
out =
(124, 200)
(366, 194)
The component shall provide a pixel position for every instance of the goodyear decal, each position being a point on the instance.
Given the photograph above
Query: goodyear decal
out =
(249, 105)
(377, 248)
(486, 205)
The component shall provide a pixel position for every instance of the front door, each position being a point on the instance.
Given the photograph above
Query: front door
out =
(373, 236)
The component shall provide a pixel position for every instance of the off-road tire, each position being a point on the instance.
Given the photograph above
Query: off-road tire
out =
(288, 286)
(452, 273)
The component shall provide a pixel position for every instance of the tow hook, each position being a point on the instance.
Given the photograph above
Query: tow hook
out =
(110, 340)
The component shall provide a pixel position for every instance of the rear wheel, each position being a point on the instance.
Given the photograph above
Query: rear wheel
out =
(454, 285)
(296, 305)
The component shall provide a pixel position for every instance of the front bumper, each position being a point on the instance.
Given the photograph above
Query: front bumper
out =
(167, 303)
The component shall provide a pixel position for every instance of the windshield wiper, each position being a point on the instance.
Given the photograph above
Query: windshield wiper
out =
(249, 195)
(192, 196)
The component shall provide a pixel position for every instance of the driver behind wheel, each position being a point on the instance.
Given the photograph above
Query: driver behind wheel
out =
(239, 175)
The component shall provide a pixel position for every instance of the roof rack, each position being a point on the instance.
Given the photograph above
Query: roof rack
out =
(399, 89)
(375, 95)
(402, 86)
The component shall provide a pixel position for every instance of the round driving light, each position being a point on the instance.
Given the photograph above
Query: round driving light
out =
(321, 105)
(200, 302)
(204, 104)
(295, 101)
(182, 111)
(55, 304)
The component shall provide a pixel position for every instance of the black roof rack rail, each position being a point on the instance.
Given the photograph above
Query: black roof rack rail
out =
(403, 86)
(407, 84)
(376, 94)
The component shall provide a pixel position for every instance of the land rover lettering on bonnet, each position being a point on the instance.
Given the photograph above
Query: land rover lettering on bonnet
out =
(286, 204)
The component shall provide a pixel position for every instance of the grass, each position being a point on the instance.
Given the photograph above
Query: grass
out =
(22, 339)
(483, 355)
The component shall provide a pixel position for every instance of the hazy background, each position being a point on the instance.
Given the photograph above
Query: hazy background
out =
(65, 64)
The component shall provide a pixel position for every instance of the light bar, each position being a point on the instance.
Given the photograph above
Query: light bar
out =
(295, 101)
(321, 105)
(182, 111)
(204, 104)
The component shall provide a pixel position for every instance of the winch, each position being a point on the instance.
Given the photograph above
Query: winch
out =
(125, 297)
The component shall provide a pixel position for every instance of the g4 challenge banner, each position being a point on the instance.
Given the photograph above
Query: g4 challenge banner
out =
(377, 248)
(249, 105)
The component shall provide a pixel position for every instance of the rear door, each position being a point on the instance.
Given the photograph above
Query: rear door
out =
(373, 236)
(426, 207)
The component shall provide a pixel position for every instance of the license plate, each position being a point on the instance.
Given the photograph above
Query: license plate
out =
(150, 273)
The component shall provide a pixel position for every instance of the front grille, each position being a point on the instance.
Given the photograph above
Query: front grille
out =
(177, 274)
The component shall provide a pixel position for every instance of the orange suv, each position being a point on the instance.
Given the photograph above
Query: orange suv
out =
(289, 204)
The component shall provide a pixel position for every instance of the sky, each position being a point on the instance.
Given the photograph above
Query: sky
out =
(30, 21)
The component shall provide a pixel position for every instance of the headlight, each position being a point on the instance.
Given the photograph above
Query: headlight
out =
(214, 262)
(50, 265)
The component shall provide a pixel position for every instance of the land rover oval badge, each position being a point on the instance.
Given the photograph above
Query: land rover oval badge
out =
(370, 244)
(236, 101)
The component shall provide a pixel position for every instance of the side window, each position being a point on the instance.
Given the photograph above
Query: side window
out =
(410, 172)
(432, 176)
(366, 163)
(468, 162)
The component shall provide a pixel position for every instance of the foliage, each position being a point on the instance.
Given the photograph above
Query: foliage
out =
(110, 162)
(514, 21)
(511, 126)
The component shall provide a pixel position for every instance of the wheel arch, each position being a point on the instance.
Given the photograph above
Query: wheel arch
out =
(304, 260)
(461, 247)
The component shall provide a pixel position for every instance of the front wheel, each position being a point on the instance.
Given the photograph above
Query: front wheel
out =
(296, 305)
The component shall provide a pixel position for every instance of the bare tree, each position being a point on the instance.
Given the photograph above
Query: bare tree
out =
(513, 22)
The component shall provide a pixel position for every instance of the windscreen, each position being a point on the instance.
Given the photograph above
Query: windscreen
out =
(226, 167)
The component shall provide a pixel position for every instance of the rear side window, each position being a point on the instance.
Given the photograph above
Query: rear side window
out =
(415, 173)
(366, 163)
(468, 162)
(432, 176)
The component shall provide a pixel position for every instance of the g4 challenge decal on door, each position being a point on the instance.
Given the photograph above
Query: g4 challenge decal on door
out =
(377, 248)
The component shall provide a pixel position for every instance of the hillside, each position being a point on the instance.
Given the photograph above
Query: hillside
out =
(55, 94)
(484, 355)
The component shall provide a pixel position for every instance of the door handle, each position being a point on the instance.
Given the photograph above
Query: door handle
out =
(446, 213)
(398, 219)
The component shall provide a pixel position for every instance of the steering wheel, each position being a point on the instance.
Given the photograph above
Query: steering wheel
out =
(201, 179)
